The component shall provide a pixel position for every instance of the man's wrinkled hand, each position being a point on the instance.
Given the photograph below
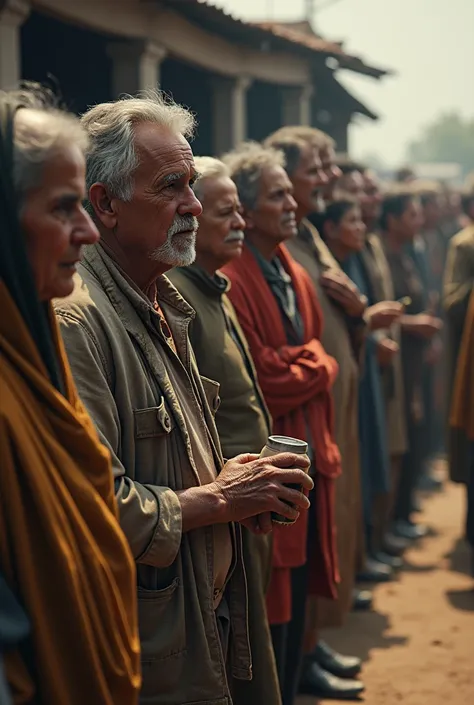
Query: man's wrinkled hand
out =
(384, 314)
(387, 349)
(339, 287)
(251, 486)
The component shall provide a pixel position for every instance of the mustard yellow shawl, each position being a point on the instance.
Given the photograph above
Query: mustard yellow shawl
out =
(462, 408)
(61, 548)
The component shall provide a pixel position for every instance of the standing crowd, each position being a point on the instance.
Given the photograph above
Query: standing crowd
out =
(164, 318)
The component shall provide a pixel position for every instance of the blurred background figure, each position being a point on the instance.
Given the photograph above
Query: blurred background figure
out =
(401, 220)
(458, 300)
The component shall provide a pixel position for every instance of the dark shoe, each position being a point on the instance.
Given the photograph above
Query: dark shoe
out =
(374, 572)
(337, 664)
(393, 562)
(318, 682)
(395, 545)
(409, 531)
(362, 600)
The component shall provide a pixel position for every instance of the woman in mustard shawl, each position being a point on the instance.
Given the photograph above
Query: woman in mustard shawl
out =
(62, 553)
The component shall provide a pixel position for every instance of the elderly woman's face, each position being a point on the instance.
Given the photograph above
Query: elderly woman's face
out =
(56, 225)
(220, 237)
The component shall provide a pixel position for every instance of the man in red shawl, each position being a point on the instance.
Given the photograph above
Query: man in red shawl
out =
(279, 312)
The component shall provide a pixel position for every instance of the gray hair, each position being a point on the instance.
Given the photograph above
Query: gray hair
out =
(111, 159)
(208, 168)
(41, 130)
(246, 164)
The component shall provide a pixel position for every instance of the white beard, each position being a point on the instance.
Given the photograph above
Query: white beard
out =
(179, 248)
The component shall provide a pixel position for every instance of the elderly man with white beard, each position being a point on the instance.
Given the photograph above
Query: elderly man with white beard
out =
(126, 332)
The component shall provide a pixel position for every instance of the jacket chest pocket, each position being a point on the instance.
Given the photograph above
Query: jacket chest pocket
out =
(153, 422)
(211, 391)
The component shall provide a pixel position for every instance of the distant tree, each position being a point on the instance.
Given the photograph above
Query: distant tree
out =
(449, 138)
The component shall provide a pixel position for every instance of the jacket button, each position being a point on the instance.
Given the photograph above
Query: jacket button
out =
(167, 422)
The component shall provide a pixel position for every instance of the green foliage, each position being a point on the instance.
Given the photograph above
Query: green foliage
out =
(449, 138)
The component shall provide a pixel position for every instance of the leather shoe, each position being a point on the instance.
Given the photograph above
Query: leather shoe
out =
(395, 545)
(318, 682)
(374, 572)
(362, 600)
(393, 562)
(410, 531)
(337, 664)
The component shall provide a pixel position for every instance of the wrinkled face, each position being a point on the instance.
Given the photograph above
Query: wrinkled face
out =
(309, 180)
(371, 198)
(274, 212)
(55, 224)
(409, 223)
(352, 183)
(159, 223)
(349, 233)
(221, 227)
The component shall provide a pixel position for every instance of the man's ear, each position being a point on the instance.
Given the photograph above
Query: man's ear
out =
(104, 206)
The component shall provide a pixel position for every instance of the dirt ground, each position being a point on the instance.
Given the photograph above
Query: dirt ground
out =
(418, 643)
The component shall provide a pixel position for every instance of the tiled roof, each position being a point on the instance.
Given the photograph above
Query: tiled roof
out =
(265, 35)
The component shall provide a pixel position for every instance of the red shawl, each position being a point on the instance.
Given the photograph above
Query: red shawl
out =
(296, 382)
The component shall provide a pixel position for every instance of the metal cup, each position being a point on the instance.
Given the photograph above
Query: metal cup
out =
(284, 444)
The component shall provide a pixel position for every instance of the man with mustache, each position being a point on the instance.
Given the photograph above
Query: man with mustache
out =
(125, 328)
(242, 419)
(280, 315)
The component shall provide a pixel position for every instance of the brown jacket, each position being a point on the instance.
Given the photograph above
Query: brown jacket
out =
(117, 354)
(458, 285)
(380, 277)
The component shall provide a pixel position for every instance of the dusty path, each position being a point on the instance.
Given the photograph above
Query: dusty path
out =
(418, 644)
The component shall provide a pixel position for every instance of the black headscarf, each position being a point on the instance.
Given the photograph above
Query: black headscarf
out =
(15, 269)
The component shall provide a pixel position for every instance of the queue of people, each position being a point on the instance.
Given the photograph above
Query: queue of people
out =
(195, 312)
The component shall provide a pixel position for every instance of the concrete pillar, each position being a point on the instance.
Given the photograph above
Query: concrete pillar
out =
(229, 103)
(296, 105)
(135, 66)
(12, 15)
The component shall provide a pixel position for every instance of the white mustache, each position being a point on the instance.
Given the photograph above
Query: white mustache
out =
(235, 235)
(182, 224)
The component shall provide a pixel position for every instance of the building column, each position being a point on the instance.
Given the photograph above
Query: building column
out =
(296, 105)
(135, 66)
(12, 15)
(229, 102)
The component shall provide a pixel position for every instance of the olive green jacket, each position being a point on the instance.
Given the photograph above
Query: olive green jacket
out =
(242, 419)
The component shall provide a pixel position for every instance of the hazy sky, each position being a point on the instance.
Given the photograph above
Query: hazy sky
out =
(429, 43)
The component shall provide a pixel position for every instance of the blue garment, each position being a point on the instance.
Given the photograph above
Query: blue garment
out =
(375, 469)
(14, 628)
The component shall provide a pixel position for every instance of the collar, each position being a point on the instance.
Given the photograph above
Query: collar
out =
(123, 293)
(215, 285)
